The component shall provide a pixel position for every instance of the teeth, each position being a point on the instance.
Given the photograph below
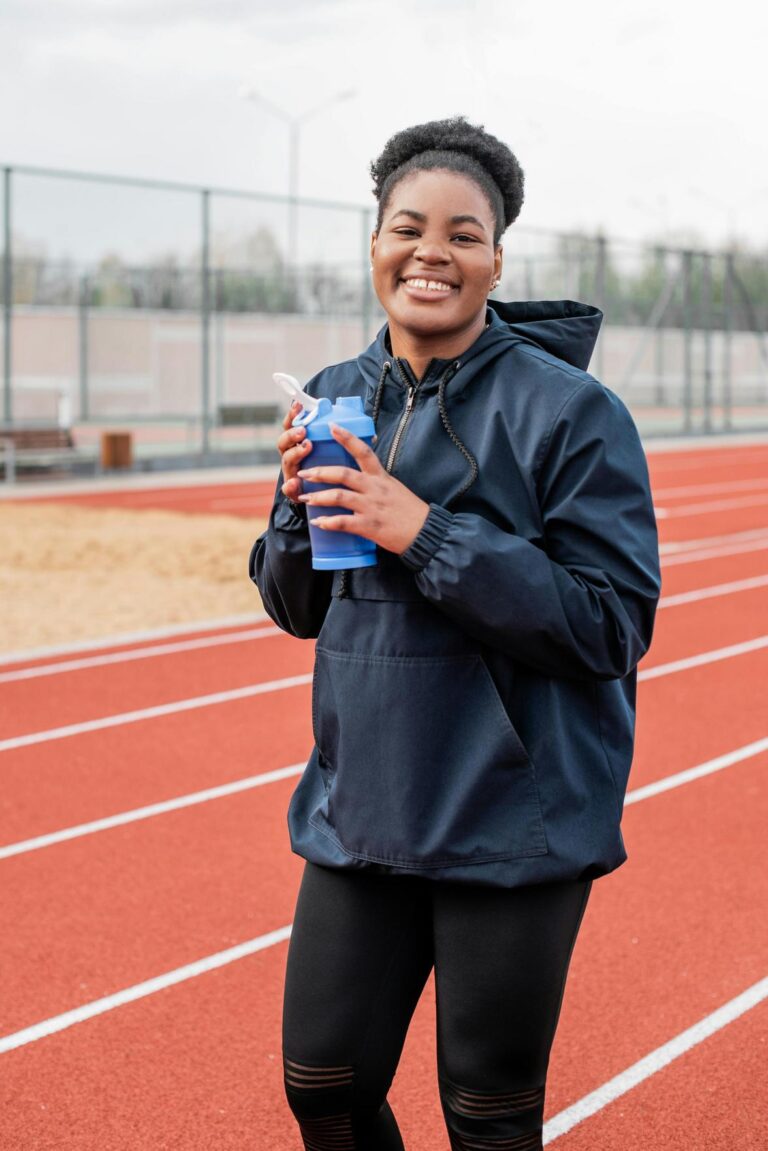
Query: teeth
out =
(429, 285)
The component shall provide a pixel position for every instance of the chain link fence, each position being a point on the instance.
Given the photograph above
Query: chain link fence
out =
(147, 303)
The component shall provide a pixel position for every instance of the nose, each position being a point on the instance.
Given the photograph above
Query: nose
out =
(431, 250)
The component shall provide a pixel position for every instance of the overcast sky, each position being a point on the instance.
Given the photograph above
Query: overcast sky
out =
(643, 119)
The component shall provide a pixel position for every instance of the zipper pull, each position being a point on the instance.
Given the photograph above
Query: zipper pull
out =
(411, 397)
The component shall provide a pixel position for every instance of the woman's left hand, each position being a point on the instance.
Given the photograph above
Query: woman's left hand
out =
(383, 509)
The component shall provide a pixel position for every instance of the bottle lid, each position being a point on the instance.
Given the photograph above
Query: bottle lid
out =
(348, 411)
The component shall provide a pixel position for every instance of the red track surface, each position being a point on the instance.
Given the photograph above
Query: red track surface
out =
(668, 939)
(218, 499)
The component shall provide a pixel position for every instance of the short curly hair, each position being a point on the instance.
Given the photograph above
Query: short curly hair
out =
(454, 145)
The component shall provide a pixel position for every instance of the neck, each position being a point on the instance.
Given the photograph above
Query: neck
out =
(419, 348)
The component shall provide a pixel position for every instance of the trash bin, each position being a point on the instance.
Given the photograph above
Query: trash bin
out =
(116, 450)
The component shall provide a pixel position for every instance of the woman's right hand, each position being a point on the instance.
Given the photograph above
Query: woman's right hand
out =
(294, 448)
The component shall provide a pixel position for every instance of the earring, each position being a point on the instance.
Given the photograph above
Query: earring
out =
(371, 267)
(495, 284)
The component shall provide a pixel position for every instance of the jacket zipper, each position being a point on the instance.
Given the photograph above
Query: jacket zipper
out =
(401, 426)
(413, 388)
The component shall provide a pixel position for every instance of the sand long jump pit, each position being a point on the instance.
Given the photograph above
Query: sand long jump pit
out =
(70, 573)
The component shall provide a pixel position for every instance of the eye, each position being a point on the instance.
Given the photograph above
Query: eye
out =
(466, 238)
(407, 232)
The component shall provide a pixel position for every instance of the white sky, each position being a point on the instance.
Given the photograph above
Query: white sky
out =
(646, 120)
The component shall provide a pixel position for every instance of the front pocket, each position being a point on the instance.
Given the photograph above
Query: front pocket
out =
(424, 766)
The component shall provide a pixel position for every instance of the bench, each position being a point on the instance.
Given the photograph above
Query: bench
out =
(35, 447)
(236, 415)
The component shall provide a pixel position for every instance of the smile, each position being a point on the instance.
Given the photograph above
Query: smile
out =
(436, 286)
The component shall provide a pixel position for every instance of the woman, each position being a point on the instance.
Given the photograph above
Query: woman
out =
(473, 701)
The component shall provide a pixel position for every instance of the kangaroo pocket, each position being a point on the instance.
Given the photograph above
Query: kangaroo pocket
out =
(421, 763)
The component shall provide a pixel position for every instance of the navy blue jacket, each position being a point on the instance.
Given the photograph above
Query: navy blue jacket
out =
(474, 698)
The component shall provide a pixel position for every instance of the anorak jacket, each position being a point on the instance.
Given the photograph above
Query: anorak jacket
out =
(474, 698)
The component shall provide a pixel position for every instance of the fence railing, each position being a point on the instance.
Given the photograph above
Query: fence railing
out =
(146, 300)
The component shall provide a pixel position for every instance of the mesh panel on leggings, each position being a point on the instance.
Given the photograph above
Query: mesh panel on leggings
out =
(313, 1092)
(475, 1103)
(299, 1075)
(479, 1121)
(334, 1133)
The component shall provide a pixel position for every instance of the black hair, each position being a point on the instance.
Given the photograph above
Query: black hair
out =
(454, 145)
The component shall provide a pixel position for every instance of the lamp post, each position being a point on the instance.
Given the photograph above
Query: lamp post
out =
(295, 124)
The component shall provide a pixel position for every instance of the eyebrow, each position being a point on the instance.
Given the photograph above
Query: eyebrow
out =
(410, 212)
(467, 220)
(414, 215)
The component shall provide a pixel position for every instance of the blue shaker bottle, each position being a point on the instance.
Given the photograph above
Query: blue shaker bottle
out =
(334, 550)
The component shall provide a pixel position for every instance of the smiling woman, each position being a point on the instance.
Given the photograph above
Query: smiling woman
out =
(473, 697)
(433, 267)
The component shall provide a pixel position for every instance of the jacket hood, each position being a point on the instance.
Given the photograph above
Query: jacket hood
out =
(562, 328)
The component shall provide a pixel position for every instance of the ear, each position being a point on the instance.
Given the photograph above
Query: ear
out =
(498, 262)
(374, 237)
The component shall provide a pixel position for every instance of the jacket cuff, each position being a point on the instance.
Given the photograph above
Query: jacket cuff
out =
(290, 517)
(429, 539)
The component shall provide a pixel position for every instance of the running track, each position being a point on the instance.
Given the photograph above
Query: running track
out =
(146, 882)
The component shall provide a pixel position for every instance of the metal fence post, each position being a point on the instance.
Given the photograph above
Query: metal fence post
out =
(84, 299)
(687, 258)
(706, 321)
(600, 264)
(219, 383)
(727, 341)
(7, 298)
(660, 391)
(205, 323)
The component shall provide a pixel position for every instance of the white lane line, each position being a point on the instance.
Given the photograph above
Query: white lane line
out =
(200, 626)
(708, 592)
(222, 791)
(153, 712)
(710, 506)
(692, 557)
(190, 800)
(53, 491)
(297, 680)
(657, 1060)
(203, 625)
(674, 546)
(266, 631)
(139, 653)
(700, 660)
(263, 632)
(710, 489)
(749, 751)
(142, 990)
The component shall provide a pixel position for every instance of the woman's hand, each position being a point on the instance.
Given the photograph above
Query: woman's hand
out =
(383, 509)
(294, 447)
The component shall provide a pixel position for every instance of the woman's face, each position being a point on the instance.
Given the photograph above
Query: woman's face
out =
(434, 261)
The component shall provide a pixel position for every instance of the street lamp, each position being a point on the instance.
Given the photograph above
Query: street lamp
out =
(295, 124)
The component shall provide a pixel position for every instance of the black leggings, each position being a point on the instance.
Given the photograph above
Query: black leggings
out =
(362, 948)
